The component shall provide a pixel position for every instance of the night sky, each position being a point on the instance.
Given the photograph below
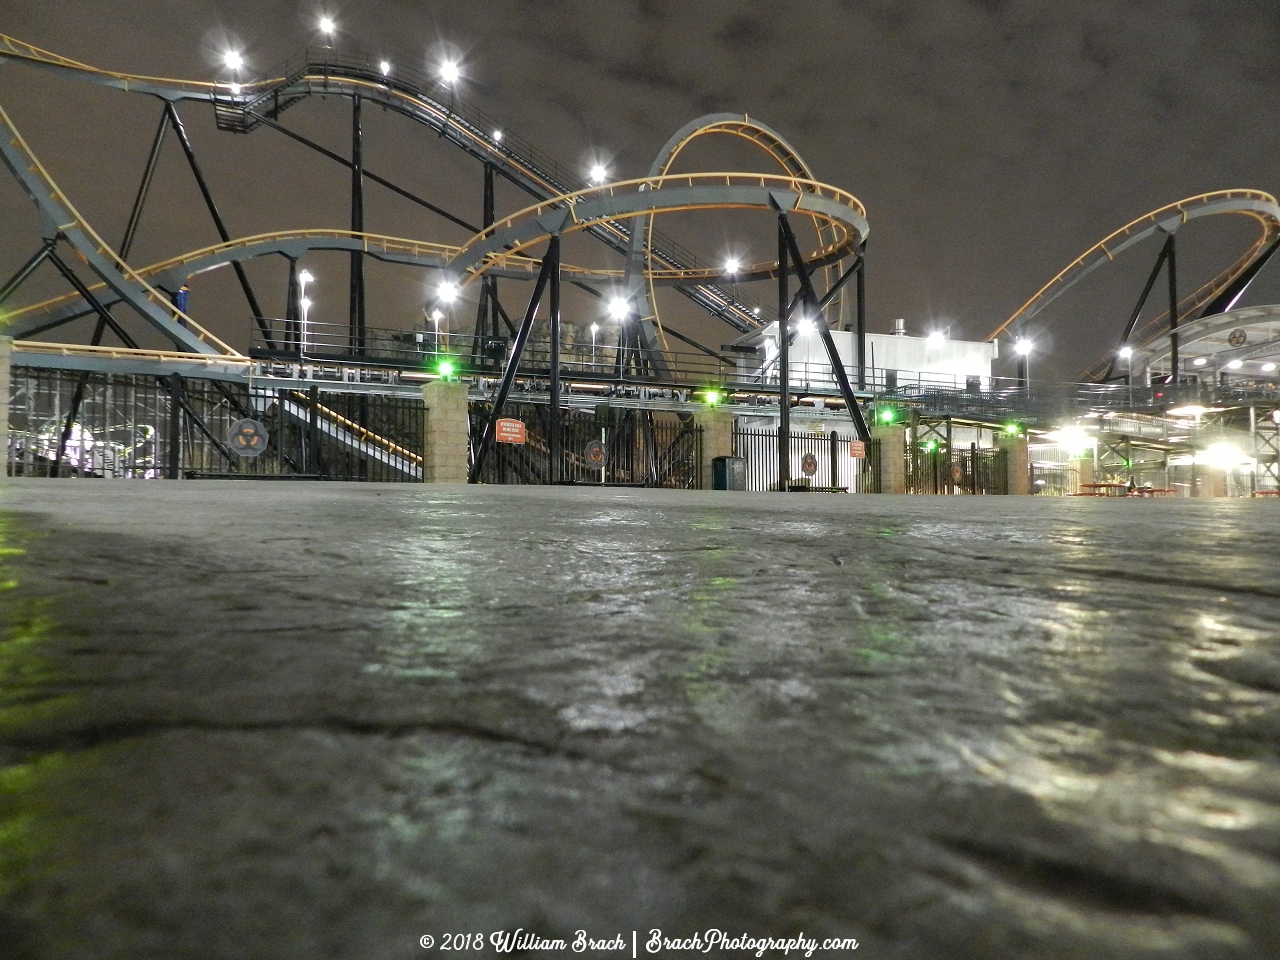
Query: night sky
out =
(991, 141)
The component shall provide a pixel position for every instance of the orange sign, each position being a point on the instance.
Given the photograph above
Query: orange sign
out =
(510, 431)
(857, 448)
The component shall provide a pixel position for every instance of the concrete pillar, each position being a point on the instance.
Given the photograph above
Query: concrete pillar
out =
(1084, 472)
(1018, 463)
(717, 441)
(6, 356)
(893, 451)
(444, 458)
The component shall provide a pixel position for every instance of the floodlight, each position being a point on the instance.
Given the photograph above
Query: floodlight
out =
(732, 265)
(385, 67)
(1199, 362)
(1022, 347)
(447, 292)
(1234, 365)
(497, 136)
(1125, 352)
(619, 308)
(450, 72)
(327, 26)
(599, 173)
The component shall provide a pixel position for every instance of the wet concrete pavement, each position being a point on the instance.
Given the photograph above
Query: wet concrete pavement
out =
(322, 720)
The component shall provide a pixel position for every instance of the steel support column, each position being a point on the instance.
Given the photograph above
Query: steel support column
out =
(135, 216)
(357, 312)
(1172, 268)
(103, 313)
(555, 440)
(833, 355)
(862, 317)
(549, 263)
(27, 269)
(784, 362)
(175, 427)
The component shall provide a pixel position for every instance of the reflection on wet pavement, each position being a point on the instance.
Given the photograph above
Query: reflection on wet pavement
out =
(352, 715)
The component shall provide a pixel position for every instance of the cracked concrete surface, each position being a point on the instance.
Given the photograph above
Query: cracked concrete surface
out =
(321, 720)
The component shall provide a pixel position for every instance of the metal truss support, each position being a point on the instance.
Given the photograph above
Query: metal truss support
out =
(103, 313)
(788, 239)
(357, 314)
(293, 308)
(784, 360)
(135, 216)
(176, 122)
(550, 264)
(368, 174)
(1142, 302)
(1231, 295)
(27, 269)
(487, 311)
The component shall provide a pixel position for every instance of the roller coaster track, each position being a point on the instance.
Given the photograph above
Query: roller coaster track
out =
(61, 219)
(1254, 204)
(241, 108)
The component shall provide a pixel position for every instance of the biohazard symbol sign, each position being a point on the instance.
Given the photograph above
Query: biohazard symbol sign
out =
(248, 438)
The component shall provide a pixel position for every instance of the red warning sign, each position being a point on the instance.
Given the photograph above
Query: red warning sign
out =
(510, 431)
(857, 448)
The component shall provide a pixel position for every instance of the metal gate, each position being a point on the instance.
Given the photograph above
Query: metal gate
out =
(829, 455)
(934, 468)
(68, 423)
(638, 447)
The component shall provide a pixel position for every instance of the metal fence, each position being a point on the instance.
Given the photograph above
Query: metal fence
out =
(638, 447)
(934, 468)
(829, 456)
(68, 423)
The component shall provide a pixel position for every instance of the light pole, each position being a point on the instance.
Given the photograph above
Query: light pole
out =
(1126, 354)
(1023, 349)
(304, 278)
(595, 328)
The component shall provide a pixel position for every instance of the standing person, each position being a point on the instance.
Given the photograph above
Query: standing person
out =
(180, 301)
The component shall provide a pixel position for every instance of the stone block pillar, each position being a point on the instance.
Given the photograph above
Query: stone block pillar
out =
(1084, 472)
(1018, 461)
(444, 457)
(6, 355)
(893, 450)
(717, 441)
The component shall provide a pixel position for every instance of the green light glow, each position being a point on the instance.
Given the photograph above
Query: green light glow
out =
(886, 416)
(446, 369)
(713, 397)
(1011, 428)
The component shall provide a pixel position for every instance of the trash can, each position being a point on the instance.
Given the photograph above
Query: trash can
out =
(729, 473)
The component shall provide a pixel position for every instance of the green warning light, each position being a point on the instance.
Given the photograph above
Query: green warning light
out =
(886, 416)
(446, 369)
(1011, 428)
(713, 397)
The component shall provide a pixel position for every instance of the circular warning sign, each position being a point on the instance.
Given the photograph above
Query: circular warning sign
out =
(809, 464)
(594, 454)
(957, 472)
(248, 438)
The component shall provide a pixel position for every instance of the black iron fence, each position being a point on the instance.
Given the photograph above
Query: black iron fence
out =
(69, 423)
(817, 461)
(934, 468)
(607, 445)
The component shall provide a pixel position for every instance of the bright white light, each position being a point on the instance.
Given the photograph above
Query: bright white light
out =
(450, 72)
(1224, 456)
(437, 315)
(619, 308)
(732, 265)
(1072, 439)
(1022, 347)
(1191, 410)
(1268, 367)
(756, 311)
(305, 302)
(1125, 353)
(305, 276)
(447, 292)
(1234, 365)
(936, 338)
(1199, 362)
(385, 67)
(599, 173)
(770, 348)
(233, 60)
(235, 89)
(805, 327)
(327, 26)
(497, 136)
